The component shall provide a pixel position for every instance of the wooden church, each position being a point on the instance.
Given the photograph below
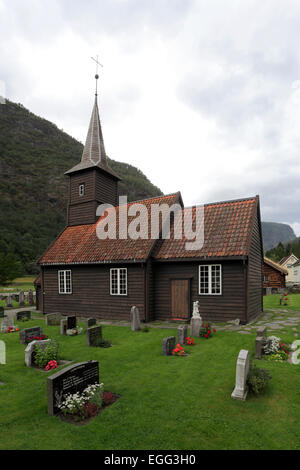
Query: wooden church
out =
(91, 277)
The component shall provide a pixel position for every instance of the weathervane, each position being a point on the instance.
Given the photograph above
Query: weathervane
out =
(96, 76)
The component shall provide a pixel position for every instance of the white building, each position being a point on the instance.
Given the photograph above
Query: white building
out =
(289, 262)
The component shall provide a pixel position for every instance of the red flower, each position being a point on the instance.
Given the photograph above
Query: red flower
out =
(214, 330)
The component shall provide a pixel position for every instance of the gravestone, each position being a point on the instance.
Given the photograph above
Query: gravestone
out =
(30, 350)
(53, 319)
(30, 297)
(91, 322)
(262, 331)
(261, 336)
(63, 327)
(268, 290)
(195, 326)
(6, 323)
(168, 345)
(182, 332)
(2, 353)
(1, 312)
(259, 344)
(24, 314)
(93, 336)
(72, 379)
(8, 301)
(29, 333)
(71, 322)
(21, 299)
(242, 369)
(135, 319)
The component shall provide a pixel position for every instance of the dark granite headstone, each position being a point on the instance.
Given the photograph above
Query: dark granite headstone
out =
(24, 314)
(71, 322)
(72, 379)
(91, 322)
(21, 299)
(1, 312)
(94, 336)
(29, 333)
(168, 345)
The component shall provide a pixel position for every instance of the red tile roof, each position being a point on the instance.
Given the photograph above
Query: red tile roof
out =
(80, 244)
(227, 232)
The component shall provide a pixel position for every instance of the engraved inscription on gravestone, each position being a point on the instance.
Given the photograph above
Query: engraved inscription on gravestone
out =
(72, 379)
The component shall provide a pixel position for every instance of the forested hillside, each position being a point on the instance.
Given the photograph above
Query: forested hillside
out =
(34, 154)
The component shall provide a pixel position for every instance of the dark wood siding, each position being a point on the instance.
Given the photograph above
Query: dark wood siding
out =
(106, 189)
(91, 292)
(276, 279)
(99, 188)
(255, 263)
(228, 306)
(82, 213)
(86, 178)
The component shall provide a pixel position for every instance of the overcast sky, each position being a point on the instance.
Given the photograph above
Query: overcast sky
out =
(202, 95)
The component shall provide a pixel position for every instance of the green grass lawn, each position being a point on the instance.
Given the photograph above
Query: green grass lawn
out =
(18, 284)
(273, 301)
(166, 402)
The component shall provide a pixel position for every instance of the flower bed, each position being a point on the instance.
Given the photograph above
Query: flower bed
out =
(179, 351)
(276, 350)
(206, 331)
(36, 338)
(79, 408)
(74, 331)
(12, 329)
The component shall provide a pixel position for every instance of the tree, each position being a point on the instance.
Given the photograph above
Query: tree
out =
(10, 267)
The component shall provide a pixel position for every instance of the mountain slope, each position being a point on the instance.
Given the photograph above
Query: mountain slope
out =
(34, 154)
(273, 233)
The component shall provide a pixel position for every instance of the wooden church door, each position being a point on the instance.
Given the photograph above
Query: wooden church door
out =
(180, 298)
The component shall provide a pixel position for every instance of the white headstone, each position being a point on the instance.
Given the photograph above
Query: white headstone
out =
(2, 353)
(135, 319)
(195, 326)
(30, 348)
(242, 369)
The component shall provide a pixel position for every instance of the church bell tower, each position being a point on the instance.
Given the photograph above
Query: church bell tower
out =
(92, 182)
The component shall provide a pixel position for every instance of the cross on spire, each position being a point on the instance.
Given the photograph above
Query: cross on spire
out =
(96, 76)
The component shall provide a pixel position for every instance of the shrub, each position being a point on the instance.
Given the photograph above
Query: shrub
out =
(206, 330)
(258, 379)
(44, 354)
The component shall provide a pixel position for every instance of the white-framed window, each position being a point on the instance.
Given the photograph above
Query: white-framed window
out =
(118, 281)
(81, 189)
(65, 282)
(210, 279)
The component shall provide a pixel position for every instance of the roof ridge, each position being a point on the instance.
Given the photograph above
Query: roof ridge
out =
(231, 201)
